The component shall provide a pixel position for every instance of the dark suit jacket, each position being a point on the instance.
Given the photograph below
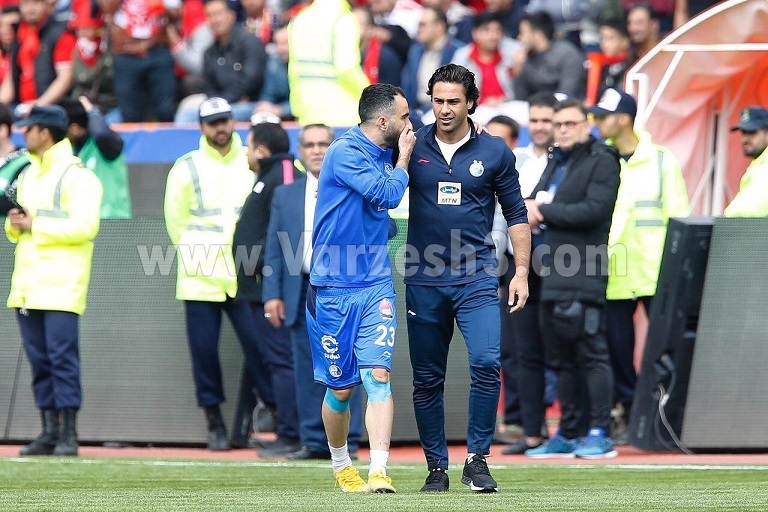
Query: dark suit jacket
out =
(286, 221)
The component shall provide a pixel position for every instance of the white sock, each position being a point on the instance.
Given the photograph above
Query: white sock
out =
(379, 460)
(340, 457)
(469, 456)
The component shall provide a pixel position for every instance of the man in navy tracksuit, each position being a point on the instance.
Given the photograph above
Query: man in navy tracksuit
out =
(456, 175)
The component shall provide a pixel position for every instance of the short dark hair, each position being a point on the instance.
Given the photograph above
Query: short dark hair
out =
(652, 13)
(272, 136)
(75, 111)
(541, 21)
(6, 118)
(57, 134)
(455, 74)
(542, 99)
(440, 15)
(514, 126)
(571, 103)
(619, 25)
(484, 18)
(376, 100)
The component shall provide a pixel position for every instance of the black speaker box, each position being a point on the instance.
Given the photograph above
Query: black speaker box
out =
(673, 321)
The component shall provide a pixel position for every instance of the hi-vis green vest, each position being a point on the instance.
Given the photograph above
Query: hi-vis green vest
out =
(652, 190)
(752, 199)
(113, 174)
(324, 72)
(53, 261)
(203, 198)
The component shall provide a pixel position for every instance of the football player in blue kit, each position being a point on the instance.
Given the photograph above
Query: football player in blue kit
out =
(351, 315)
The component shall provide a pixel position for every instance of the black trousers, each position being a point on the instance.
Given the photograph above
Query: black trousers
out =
(580, 358)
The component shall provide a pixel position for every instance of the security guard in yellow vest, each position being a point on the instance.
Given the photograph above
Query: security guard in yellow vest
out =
(204, 194)
(53, 229)
(324, 72)
(752, 199)
(652, 190)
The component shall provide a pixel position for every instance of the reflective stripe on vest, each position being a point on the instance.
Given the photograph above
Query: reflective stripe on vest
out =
(56, 212)
(654, 203)
(200, 211)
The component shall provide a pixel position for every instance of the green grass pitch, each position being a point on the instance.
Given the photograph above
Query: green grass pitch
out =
(58, 484)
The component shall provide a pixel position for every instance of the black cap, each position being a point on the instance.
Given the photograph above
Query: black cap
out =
(752, 119)
(51, 116)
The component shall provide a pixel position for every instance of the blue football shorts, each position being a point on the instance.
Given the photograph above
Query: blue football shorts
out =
(349, 329)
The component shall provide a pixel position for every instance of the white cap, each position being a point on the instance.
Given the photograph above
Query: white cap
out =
(214, 109)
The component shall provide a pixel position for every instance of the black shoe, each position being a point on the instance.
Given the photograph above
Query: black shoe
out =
(279, 448)
(437, 481)
(217, 431)
(518, 448)
(307, 453)
(477, 476)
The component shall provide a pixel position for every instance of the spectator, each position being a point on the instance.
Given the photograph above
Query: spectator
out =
(53, 233)
(664, 11)
(490, 58)
(143, 64)
(402, 13)
(201, 210)
(260, 20)
(324, 43)
(270, 160)
(606, 68)
(101, 150)
(380, 62)
(458, 16)
(285, 291)
(41, 59)
(567, 15)
(643, 29)
(546, 65)
(752, 201)
(572, 205)
(276, 93)
(92, 61)
(9, 20)
(652, 190)
(188, 41)
(510, 12)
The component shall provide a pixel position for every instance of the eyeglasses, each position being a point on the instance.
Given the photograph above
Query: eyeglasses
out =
(570, 125)
(264, 117)
(312, 145)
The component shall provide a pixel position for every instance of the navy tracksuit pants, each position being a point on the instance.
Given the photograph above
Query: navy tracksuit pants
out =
(431, 311)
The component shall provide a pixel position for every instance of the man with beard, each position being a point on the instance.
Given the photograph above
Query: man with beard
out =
(204, 194)
(752, 201)
(452, 277)
(350, 304)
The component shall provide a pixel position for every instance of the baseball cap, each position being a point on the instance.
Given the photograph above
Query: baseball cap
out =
(752, 119)
(614, 102)
(214, 109)
(51, 116)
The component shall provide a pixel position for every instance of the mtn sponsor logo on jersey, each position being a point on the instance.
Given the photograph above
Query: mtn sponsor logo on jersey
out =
(449, 193)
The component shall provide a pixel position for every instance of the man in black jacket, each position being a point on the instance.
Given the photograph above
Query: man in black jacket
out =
(269, 157)
(570, 210)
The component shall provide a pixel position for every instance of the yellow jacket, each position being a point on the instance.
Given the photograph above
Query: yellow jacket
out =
(324, 71)
(53, 260)
(752, 199)
(203, 198)
(652, 190)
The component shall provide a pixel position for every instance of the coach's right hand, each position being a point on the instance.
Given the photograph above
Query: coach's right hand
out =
(274, 311)
(405, 145)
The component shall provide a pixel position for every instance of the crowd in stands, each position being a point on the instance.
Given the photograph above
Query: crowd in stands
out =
(153, 60)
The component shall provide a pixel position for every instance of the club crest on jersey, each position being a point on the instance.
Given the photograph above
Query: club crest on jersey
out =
(388, 169)
(476, 169)
(385, 309)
